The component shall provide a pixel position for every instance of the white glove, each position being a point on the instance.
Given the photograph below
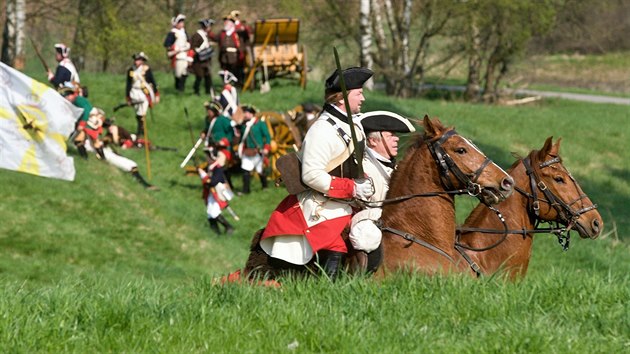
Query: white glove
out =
(363, 188)
(364, 234)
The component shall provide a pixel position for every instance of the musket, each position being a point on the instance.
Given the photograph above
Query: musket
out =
(39, 55)
(358, 149)
(229, 209)
(126, 104)
(192, 139)
(191, 153)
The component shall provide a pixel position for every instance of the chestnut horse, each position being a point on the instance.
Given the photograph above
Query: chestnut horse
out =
(440, 165)
(419, 233)
(546, 193)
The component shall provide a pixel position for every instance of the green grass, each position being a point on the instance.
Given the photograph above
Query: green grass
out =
(101, 265)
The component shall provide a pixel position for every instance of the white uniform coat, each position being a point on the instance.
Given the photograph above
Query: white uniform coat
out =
(323, 150)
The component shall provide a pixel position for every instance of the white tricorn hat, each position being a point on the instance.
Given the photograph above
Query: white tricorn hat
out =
(177, 19)
(385, 121)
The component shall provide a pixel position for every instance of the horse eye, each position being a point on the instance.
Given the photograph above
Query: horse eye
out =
(460, 151)
(559, 179)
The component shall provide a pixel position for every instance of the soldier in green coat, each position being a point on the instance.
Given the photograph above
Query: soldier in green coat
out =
(254, 147)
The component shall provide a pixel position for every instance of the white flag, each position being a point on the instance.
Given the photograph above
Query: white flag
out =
(35, 122)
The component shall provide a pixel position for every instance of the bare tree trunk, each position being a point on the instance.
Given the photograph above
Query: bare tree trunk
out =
(366, 40)
(13, 35)
(383, 56)
(489, 91)
(80, 41)
(474, 65)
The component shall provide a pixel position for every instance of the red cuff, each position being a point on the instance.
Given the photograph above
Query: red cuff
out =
(341, 188)
(82, 123)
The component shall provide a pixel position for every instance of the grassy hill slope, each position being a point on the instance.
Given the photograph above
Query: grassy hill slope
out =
(102, 264)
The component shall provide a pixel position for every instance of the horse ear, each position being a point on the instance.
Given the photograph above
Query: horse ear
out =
(546, 149)
(555, 149)
(431, 128)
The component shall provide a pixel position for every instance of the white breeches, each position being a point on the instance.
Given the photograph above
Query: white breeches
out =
(249, 163)
(181, 67)
(213, 209)
(142, 105)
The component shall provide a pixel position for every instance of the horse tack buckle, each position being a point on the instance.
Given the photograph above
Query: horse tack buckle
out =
(542, 186)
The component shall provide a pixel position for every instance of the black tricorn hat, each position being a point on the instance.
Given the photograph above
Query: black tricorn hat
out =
(354, 78)
(249, 108)
(140, 55)
(206, 22)
(385, 121)
(213, 105)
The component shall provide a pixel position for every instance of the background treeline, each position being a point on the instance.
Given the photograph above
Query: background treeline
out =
(405, 42)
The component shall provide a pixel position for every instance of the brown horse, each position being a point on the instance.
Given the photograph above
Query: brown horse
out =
(440, 165)
(419, 214)
(546, 193)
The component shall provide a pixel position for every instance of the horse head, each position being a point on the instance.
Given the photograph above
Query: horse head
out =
(556, 196)
(463, 166)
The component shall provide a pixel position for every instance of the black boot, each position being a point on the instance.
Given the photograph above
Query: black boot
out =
(228, 227)
(214, 226)
(197, 85)
(208, 84)
(82, 151)
(330, 261)
(184, 77)
(136, 175)
(100, 154)
(263, 180)
(140, 127)
(246, 181)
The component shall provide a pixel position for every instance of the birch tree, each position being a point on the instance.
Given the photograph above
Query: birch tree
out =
(366, 40)
(403, 33)
(13, 34)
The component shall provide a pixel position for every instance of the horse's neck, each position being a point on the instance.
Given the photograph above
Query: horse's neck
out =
(516, 249)
(427, 218)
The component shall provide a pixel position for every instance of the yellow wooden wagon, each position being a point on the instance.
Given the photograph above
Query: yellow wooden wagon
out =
(276, 51)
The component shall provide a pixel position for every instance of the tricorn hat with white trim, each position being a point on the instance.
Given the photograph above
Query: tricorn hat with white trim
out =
(385, 121)
(177, 19)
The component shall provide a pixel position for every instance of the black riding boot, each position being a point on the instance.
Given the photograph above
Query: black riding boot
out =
(184, 77)
(100, 153)
(228, 227)
(136, 175)
(140, 127)
(330, 261)
(197, 85)
(246, 181)
(208, 84)
(214, 226)
(263, 180)
(82, 151)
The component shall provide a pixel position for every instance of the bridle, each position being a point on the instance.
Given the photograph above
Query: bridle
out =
(567, 216)
(446, 165)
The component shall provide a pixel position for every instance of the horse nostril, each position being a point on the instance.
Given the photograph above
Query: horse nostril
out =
(595, 225)
(507, 184)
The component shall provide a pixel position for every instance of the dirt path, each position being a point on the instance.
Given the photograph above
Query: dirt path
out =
(576, 96)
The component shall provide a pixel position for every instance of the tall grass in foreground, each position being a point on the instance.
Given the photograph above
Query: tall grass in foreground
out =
(552, 312)
(101, 265)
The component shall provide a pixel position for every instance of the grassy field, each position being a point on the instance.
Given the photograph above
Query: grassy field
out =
(102, 265)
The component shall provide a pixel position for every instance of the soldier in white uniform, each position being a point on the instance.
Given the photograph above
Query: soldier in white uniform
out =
(379, 161)
(142, 90)
(310, 223)
(179, 51)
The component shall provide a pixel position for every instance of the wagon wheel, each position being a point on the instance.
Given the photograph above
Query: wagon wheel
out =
(303, 68)
(282, 133)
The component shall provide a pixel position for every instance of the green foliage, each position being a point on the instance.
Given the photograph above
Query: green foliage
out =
(102, 265)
